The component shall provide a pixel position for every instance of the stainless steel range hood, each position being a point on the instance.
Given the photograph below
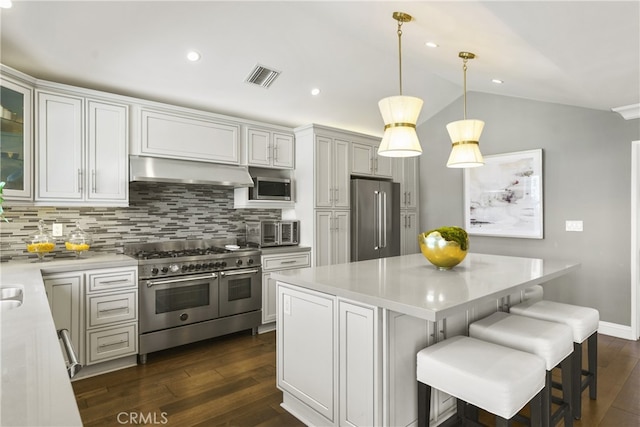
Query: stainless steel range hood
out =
(156, 169)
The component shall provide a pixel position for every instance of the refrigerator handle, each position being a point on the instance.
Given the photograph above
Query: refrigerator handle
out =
(376, 220)
(384, 219)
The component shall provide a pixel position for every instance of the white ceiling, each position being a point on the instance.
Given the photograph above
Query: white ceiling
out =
(582, 53)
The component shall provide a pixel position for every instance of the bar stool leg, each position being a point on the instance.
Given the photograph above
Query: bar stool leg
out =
(536, 409)
(546, 401)
(424, 404)
(568, 392)
(576, 381)
(592, 351)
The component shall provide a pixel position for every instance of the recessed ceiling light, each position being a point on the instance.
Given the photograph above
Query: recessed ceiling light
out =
(193, 56)
(497, 81)
(5, 4)
(431, 44)
(315, 91)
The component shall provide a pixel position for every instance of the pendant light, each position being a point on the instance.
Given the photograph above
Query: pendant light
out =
(465, 134)
(400, 113)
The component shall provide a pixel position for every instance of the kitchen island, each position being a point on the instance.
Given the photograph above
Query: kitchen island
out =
(348, 334)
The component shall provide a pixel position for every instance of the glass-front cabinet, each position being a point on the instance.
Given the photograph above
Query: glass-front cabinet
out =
(16, 138)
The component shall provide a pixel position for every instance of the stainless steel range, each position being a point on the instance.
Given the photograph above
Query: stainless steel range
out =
(191, 290)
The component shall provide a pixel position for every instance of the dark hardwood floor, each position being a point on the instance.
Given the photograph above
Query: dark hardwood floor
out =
(230, 381)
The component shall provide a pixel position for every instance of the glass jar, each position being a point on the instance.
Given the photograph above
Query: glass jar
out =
(78, 240)
(40, 242)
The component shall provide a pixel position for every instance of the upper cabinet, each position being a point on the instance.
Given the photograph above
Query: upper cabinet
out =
(16, 139)
(81, 146)
(270, 149)
(406, 172)
(365, 160)
(180, 133)
(332, 172)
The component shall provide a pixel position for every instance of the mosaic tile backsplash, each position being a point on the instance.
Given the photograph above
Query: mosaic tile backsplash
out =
(156, 212)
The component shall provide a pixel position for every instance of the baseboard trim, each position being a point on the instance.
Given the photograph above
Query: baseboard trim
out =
(616, 330)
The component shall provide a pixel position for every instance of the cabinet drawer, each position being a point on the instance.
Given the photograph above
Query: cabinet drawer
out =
(111, 308)
(285, 262)
(106, 280)
(111, 343)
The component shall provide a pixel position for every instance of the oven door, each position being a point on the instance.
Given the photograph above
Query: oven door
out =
(240, 291)
(166, 303)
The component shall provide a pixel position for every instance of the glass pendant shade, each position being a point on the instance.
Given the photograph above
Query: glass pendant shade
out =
(465, 150)
(400, 114)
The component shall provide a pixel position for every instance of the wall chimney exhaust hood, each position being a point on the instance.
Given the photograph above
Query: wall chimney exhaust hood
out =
(157, 169)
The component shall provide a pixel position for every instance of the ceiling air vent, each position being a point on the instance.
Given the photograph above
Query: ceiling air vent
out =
(262, 76)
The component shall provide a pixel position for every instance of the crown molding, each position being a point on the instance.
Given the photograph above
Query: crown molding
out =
(628, 112)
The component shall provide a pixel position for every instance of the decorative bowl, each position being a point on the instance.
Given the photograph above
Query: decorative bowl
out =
(78, 240)
(444, 247)
(40, 242)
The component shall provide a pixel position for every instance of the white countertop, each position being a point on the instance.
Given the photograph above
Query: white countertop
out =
(411, 285)
(35, 388)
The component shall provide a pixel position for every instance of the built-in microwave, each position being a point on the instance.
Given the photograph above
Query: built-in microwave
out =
(273, 233)
(266, 188)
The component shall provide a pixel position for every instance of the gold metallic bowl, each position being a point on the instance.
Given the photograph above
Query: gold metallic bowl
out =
(444, 254)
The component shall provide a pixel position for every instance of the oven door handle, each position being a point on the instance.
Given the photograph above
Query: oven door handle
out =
(237, 273)
(151, 283)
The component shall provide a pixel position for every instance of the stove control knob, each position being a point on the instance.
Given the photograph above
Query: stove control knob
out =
(239, 262)
(165, 269)
(191, 267)
(174, 268)
(154, 271)
(212, 265)
(216, 265)
(198, 266)
(185, 267)
(223, 264)
(250, 261)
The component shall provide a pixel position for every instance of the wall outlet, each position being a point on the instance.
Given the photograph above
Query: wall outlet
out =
(573, 225)
(58, 230)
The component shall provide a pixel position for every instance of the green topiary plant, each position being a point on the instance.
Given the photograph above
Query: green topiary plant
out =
(2, 217)
(453, 234)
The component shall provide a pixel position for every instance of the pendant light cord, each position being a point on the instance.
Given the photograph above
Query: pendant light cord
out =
(464, 73)
(400, 53)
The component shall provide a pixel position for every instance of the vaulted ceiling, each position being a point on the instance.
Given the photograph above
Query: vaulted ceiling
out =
(581, 53)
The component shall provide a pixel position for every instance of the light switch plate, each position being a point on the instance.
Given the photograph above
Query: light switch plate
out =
(573, 225)
(58, 230)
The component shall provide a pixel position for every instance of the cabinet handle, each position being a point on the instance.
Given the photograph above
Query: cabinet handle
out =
(409, 221)
(409, 197)
(112, 344)
(376, 169)
(93, 180)
(288, 262)
(79, 180)
(106, 310)
(268, 152)
(371, 164)
(275, 151)
(331, 191)
(111, 282)
(335, 195)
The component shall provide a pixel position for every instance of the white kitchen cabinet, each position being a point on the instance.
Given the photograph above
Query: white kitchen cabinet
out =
(307, 363)
(278, 262)
(366, 162)
(81, 151)
(332, 183)
(409, 232)
(64, 292)
(332, 237)
(272, 149)
(359, 364)
(406, 171)
(16, 141)
(185, 134)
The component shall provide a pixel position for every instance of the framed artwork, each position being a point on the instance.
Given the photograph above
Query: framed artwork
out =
(503, 198)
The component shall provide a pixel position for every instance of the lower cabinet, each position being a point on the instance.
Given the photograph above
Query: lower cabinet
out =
(99, 308)
(409, 232)
(278, 262)
(332, 237)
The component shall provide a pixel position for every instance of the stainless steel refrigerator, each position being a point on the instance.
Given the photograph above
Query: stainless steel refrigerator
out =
(375, 219)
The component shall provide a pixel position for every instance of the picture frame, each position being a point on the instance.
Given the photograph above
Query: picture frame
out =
(504, 198)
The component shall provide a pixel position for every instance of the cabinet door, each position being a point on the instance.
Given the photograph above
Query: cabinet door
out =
(383, 165)
(323, 238)
(324, 172)
(268, 298)
(258, 147)
(341, 175)
(190, 137)
(283, 150)
(307, 348)
(411, 182)
(108, 165)
(362, 159)
(409, 232)
(341, 246)
(359, 365)
(59, 136)
(16, 140)
(64, 295)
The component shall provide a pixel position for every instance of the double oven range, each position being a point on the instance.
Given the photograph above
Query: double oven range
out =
(190, 290)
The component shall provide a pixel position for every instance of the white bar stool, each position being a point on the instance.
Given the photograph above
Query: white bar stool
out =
(497, 379)
(550, 341)
(583, 322)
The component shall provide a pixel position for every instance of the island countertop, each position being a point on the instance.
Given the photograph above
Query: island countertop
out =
(35, 387)
(409, 284)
